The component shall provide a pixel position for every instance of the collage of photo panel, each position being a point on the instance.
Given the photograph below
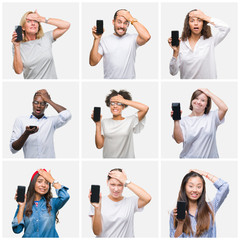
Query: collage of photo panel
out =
(119, 119)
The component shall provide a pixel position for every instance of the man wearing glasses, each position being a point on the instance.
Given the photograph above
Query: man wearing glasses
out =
(34, 133)
(119, 49)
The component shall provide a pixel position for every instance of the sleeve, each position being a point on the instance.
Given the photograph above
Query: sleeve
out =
(62, 118)
(62, 198)
(216, 118)
(174, 65)
(134, 200)
(223, 30)
(135, 36)
(17, 227)
(100, 48)
(172, 230)
(91, 211)
(222, 192)
(49, 36)
(138, 125)
(183, 128)
(16, 134)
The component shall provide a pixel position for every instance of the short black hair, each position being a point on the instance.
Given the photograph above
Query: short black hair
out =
(116, 13)
(125, 94)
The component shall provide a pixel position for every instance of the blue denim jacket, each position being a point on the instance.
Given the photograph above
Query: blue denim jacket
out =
(41, 223)
(222, 192)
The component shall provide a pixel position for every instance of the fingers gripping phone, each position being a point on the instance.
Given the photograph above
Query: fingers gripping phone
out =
(21, 193)
(181, 208)
(99, 26)
(18, 30)
(175, 38)
(176, 111)
(96, 114)
(32, 127)
(95, 190)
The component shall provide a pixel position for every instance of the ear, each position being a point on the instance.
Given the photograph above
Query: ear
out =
(107, 183)
(113, 21)
(46, 106)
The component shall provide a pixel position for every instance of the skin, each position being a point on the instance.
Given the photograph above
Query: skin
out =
(120, 25)
(117, 115)
(199, 104)
(116, 187)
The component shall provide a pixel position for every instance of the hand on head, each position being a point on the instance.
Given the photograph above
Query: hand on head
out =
(120, 176)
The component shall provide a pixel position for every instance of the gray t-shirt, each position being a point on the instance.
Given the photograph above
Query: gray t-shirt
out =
(119, 55)
(37, 58)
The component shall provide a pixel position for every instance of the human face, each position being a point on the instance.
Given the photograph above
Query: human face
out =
(41, 186)
(194, 188)
(38, 107)
(196, 25)
(200, 103)
(31, 26)
(120, 26)
(116, 188)
(116, 109)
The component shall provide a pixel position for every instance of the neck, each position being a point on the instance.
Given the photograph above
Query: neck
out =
(196, 114)
(37, 197)
(115, 199)
(31, 37)
(119, 117)
(38, 116)
(194, 37)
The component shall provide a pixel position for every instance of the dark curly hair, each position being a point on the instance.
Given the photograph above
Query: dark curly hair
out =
(125, 94)
(31, 198)
(186, 33)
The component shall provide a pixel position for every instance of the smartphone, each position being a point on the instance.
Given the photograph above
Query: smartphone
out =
(21, 193)
(181, 208)
(176, 111)
(99, 26)
(175, 38)
(96, 114)
(18, 30)
(31, 127)
(95, 190)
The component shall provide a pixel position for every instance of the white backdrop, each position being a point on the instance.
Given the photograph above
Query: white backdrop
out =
(64, 49)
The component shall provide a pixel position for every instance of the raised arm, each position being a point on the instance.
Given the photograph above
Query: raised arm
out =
(222, 107)
(17, 60)
(144, 197)
(99, 138)
(143, 34)
(62, 26)
(143, 109)
(177, 131)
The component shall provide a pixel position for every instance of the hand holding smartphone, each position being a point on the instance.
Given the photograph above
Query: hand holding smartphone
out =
(176, 111)
(175, 38)
(95, 192)
(32, 127)
(21, 193)
(96, 114)
(181, 208)
(99, 25)
(18, 30)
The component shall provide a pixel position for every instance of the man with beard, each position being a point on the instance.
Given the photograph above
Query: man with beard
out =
(119, 49)
(34, 133)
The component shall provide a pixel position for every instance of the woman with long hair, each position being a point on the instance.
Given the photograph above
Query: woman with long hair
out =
(115, 135)
(33, 55)
(199, 219)
(195, 55)
(38, 213)
(197, 131)
(113, 216)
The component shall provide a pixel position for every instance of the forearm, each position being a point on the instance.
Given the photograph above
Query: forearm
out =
(18, 144)
(140, 192)
(211, 177)
(94, 55)
(20, 214)
(97, 222)
(99, 139)
(56, 106)
(179, 230)
(177, 132)
(59, 23)
(142, 31)
(220, 104)
(17, 60)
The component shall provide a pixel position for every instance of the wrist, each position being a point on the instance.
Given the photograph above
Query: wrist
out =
(126, 182)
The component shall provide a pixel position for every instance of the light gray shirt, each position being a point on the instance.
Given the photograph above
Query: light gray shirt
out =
(37, 58)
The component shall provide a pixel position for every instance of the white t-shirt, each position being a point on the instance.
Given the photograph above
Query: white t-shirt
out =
(200, 62)
(37, 58)
(117, 217)
(119, 55)
(199, 134)
(118, 136)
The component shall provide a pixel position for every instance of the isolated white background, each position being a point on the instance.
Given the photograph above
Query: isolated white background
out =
(20, 172)
(18, 97)
(94, 94)
(144, 174)
(65, 49)
(173, 16)
(227, 141)
(146, 64)
(172, 174)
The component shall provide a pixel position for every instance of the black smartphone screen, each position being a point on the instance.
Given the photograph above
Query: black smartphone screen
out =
(31, 127)
(99, 26)
(176, 111)
(175, 38)
(18, 30)
(95, 190)
(21, 193)
(181, 208)
(96, 114)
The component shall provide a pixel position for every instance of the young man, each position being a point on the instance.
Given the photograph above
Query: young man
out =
(119, 49)
(34, 133)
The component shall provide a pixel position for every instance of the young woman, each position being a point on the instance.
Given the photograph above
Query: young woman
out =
(33, 55)
(195, 55)
(200, 215)
(38, 213)
(115, 135)
(198, 130)
(113, 216)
